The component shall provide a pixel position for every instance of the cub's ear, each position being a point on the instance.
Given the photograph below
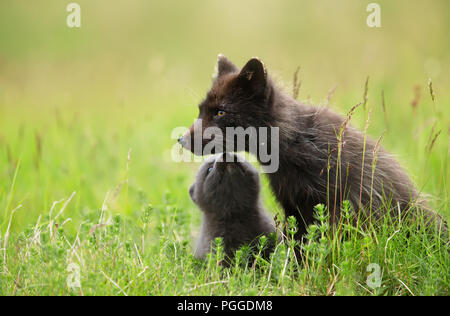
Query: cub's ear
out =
(253, 74)
(191, 191)
(225, 66)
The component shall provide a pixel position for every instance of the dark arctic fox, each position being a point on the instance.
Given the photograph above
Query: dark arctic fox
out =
(312, 169)
(227, 191)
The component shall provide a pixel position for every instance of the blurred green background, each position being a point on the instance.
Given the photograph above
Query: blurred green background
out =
(73, 102)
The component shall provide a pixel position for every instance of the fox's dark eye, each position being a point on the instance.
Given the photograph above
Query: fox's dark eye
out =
(220, 113)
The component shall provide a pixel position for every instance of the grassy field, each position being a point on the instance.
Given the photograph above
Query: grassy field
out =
(88, 188)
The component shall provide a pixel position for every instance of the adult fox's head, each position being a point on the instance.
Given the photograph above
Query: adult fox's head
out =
(239, 102)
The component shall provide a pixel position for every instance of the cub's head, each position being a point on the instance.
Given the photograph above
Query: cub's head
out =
(238, 98)
(224, 183)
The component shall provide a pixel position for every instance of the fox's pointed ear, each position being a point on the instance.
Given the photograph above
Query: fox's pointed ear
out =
(225, 66)
(253, 74)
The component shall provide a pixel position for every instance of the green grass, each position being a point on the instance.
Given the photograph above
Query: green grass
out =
(150, 254)
(91, 111)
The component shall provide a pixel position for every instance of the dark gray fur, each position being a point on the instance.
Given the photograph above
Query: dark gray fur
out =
(307, 144)
(228, 196)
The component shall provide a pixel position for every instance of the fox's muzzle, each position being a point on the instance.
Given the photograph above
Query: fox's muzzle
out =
(201, 141)
(193, 138)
